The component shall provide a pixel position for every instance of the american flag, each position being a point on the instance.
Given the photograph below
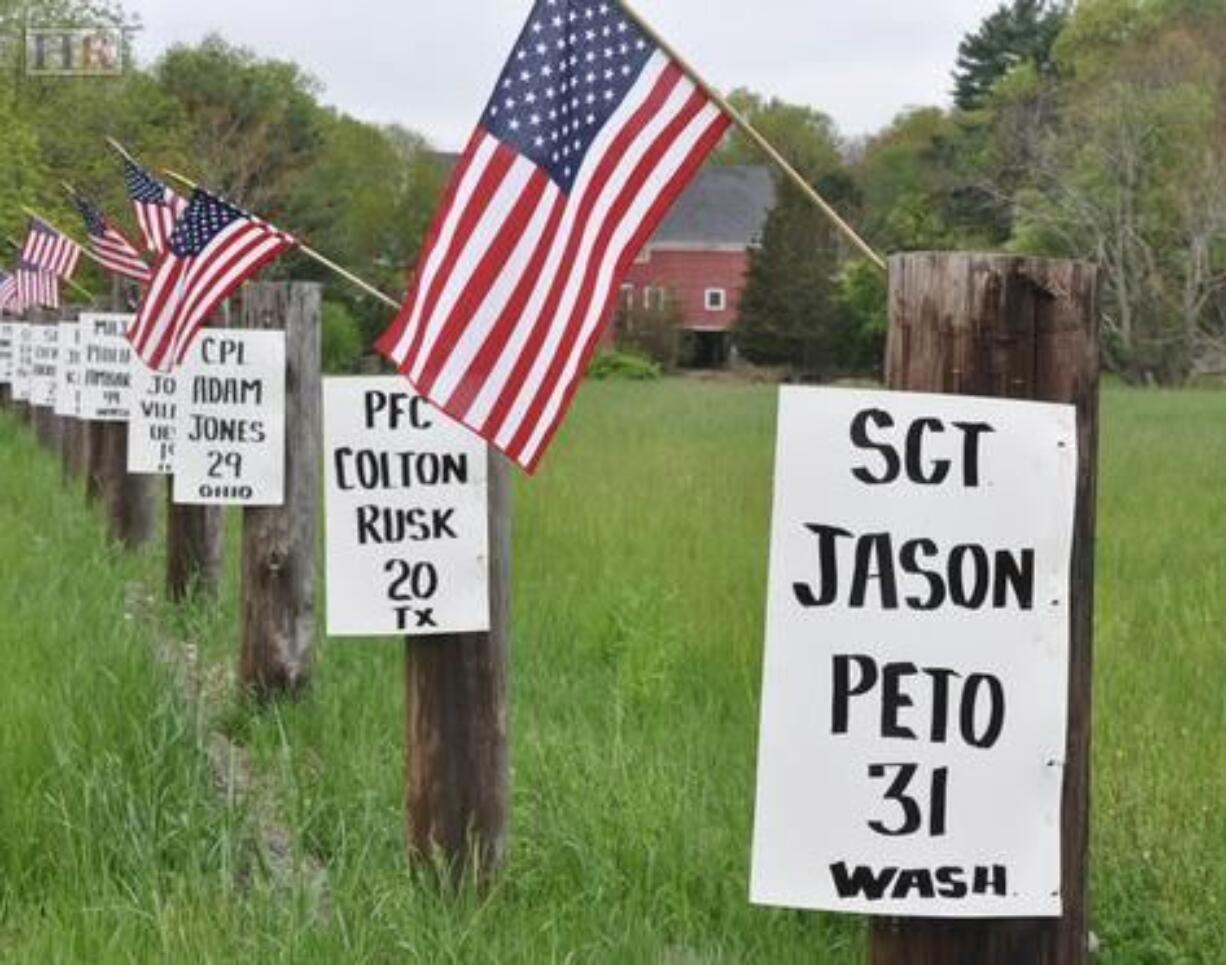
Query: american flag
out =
(50, 250)
(8, 292)
(591, 135)
(36, 288)
(158, 208)
(109, 245)
(214, 248)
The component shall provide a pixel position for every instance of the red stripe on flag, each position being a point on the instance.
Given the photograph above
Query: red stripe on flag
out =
(606, 166)
(706, 144)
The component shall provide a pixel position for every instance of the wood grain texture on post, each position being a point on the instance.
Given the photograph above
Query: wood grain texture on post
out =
(279, 543)
(195, 541)
(456, 705)
(1017, 328)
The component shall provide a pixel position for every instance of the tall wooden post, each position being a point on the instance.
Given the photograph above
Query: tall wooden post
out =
(456, 705)
(195, 539)
(1017, 328)
(195, 544)
(279, 544)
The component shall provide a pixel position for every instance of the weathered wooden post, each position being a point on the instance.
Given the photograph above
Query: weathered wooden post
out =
(279, 544)
(1017, 328)
(195, 544)
(456, 706)
(195, 537)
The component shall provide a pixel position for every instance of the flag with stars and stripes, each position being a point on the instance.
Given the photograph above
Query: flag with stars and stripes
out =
(158, 208)
(214, 248)
(590, 136)
(49, 250)
(110, 246)
(8, 292)
(36, 288)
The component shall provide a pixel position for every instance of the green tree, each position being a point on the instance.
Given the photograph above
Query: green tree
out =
(1019, 32)
(806, 137)
(789, 315)
(254, 125)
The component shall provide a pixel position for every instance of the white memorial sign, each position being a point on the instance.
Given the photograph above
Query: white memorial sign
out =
(7, 339)
(68, 381)
(916, 675)
(23, 360)
(407, 514)
(230, 420)
(44, 372)
(151, 428)
(106, 367)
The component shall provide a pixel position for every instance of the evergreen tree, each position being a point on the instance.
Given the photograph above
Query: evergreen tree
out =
(789, 311)
(1018, 32)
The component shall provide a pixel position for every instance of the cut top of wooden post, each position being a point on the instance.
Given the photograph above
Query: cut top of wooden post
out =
(969, 316)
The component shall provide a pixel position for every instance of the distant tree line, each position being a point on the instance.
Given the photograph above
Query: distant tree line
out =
(1096, 131)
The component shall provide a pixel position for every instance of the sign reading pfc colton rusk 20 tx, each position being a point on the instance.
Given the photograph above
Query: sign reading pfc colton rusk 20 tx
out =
(916, 674)
(229, 438)
(407, 514)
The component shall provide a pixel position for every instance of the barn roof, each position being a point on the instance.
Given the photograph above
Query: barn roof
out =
(724, 205)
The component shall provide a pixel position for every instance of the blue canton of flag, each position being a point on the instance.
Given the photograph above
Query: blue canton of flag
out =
(574, 64)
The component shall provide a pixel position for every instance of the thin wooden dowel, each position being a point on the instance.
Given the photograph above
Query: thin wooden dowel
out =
(314, 255)
(72, 284)
(749, 131)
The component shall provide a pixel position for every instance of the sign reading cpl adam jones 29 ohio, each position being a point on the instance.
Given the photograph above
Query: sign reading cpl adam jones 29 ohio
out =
(407, 514)
(229, 434)
(915, 697)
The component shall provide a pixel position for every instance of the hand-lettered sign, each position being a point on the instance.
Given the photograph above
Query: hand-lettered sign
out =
(407, 514)
(68, 381)
(151, 428)
(7, 339)
(23, 360)
(44, 371)
(230, 420)
(106, 367)
(916, 679)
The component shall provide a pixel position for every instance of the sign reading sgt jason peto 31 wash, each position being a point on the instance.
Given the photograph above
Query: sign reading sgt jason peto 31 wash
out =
(229, 437)
(407, 514)
(916, 676)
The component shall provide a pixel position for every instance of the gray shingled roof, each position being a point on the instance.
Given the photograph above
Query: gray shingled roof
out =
(723, 206)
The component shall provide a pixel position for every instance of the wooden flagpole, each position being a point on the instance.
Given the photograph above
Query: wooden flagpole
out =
(316, 256)
(72, 284)
(750, 132)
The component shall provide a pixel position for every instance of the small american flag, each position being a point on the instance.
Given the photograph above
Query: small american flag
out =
(50, 250)
(8, 292)
(158, 208)
(109, 245)
(591, 134)
(36, 288)
(214, 248)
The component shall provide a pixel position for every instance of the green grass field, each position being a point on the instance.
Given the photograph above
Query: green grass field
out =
(640, 567)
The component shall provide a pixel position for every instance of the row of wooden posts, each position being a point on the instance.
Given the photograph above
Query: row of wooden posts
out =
(456, 728)
(959, 324)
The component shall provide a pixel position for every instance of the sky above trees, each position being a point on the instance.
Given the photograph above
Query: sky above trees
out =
(430, 65)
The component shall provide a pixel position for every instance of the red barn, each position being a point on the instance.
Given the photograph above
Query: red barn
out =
(698, 259)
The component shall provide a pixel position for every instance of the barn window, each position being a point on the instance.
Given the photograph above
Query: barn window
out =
(717, 299)
(627, 296)
(653, 296)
